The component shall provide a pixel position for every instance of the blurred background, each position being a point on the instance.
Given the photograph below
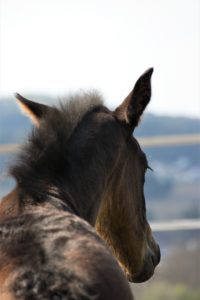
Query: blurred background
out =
(52, 47)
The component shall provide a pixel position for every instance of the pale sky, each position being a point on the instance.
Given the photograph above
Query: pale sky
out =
(58, 46)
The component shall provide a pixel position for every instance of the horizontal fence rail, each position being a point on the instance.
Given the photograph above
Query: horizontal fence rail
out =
(176, 225)
(154, 141)
(9, 148)
(170, 140)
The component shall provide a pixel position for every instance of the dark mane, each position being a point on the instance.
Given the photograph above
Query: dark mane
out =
(46, 152)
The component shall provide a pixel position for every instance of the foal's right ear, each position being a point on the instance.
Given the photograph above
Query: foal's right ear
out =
(33, 110)
(131, 109)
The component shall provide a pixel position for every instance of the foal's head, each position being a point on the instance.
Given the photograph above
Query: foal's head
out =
(122, 217)
(97, 161)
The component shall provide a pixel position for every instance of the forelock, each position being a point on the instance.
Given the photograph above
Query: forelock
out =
(73, 108)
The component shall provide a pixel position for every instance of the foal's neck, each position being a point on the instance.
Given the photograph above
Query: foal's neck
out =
(78, 181)
(81, 198)
(84, 195)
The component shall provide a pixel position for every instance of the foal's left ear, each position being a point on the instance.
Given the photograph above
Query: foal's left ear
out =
(33, 110)
(131, 109)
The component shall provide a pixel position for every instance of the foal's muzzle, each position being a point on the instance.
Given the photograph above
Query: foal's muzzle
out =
(151, 260)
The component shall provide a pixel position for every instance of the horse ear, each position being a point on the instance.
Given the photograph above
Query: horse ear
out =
(33, 110)
(131, 109)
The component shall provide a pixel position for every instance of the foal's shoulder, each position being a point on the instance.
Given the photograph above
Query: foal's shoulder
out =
(58, 253)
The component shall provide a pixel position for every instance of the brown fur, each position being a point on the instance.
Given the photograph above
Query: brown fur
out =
(6, 267)
(9, 206)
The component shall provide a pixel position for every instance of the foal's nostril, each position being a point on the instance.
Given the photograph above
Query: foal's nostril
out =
(156, 256)
(154, 259)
